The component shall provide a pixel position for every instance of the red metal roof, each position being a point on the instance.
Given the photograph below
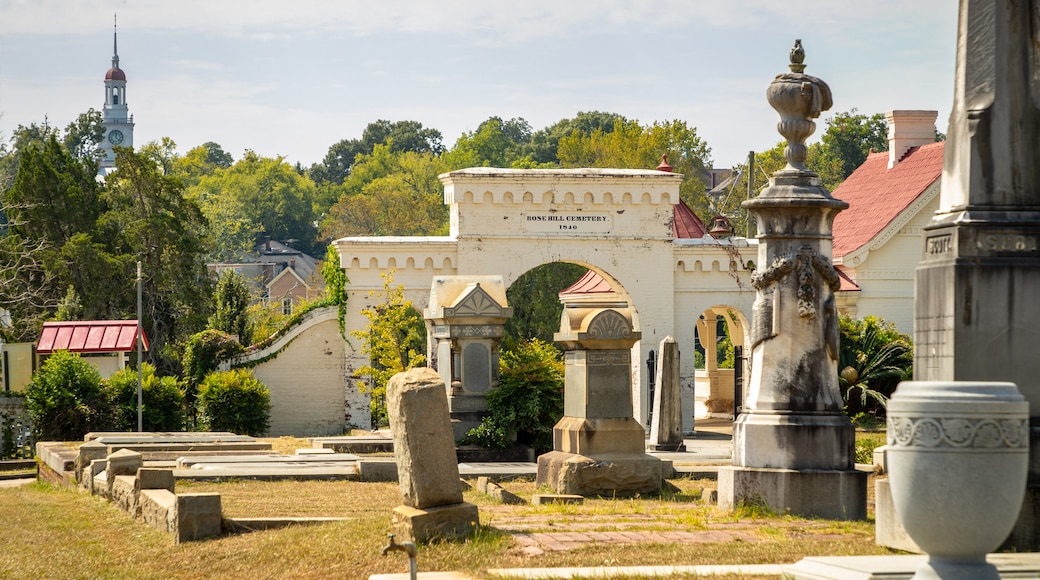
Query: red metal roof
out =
(877, 194)
(90, 336)
(847, 284)
(590, 283)
(685, 223)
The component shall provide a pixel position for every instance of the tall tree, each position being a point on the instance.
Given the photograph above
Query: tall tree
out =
(150, 219)
(850, 136)
(83, 137)
(544, 143)
(495, 143)
(231, 303)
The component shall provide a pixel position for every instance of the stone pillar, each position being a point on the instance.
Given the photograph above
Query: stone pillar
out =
(666, 427)
(427, 469)
(466, 319)
(793, 446)
(976, 316)
(598, 447)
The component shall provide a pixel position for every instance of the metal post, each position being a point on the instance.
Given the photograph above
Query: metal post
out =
(750, 189)
(140, 374)
(738, 379)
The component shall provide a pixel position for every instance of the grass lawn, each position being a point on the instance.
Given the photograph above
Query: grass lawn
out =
(51, 532)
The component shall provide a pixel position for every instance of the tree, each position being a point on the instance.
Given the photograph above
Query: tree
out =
(394, 340)
(390, 194)
(403, 135)
(204, 160)
(231, 302)
(259, 196)
(83, 137)
(162, 401)
(495, 143)
(544, 143)
(150, 219)
(536, 304)
(851, 136)
(633, 146)
(203, 353)
(65, 399)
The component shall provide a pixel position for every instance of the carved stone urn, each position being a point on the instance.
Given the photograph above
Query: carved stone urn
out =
(958, 456)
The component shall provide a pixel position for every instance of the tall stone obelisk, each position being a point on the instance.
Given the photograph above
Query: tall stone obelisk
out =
(793, 447)
(977, 316)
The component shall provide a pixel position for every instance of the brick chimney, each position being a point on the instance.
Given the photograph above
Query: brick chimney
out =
(907, 129)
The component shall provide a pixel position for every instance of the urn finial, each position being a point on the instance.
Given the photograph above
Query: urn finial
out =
(798, 98)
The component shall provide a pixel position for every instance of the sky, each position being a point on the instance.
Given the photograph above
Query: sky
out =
(291, 78)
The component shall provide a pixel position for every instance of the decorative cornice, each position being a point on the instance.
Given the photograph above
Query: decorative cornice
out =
(958, 433)
(808, 262)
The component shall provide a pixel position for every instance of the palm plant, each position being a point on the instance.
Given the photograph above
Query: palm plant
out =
(872, 360)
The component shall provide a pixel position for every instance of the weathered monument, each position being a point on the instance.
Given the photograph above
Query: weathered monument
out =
(465, 321)
(427, 469)
(793, 446)
(598, 447)
(666, 425)
(976, 313)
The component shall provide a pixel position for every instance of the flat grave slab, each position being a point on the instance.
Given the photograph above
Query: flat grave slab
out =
(503, 470)
(269, 473)
(362, 444)
(1022, 565)
(269, 459)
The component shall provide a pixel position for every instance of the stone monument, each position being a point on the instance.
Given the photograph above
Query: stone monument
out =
(666, 425)
(426, 466)
(465, 322)
(793, 446)
(598, 447)
(976, 316)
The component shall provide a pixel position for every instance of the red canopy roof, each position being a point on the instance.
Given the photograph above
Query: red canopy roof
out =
(90, 336)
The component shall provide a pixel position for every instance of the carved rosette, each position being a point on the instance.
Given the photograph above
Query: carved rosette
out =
(798, 98)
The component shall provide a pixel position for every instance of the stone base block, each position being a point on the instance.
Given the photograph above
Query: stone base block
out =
(158, 509)
(610, 475)
(778, 440)
(593, 437)
(123, 493)
(375, 470)
(198, 516)
(834, 495)
(888, 528)
(448, 522)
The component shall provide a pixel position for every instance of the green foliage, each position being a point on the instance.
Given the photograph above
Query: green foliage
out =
(234, 401)
(394, 340)
(232, 299)
(536, 304)
(865, 447)
(202, 354)
(873, 358)
(162, 400)
(66, 399)
(850, 137)
(528, 400)
(401, 136)
(335, 285)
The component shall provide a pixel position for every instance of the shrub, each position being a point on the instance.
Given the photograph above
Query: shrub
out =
(162, 400)
(202, 355)
(528, 401)
(234, 401)
(65, 399)
(873, 358)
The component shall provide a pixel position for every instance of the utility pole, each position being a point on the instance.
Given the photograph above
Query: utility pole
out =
(750, 189)
(140, 357)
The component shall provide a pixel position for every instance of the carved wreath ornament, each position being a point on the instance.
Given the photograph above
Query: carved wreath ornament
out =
(957, 433)
(808, 263)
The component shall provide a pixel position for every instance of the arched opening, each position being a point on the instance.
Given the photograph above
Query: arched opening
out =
(535, 300)
(721, 361)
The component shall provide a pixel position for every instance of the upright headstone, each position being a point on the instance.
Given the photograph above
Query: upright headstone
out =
(465, 321)
(666, 425)
(976, 313)
(598, 447)
(793, 446)
(427, 469)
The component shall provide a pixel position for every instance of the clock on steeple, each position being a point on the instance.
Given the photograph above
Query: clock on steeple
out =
(115, 117)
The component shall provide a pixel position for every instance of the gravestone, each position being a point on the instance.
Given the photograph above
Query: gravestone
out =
(427, 470)
(465, 321)
(976, 317)
(598, 447)
(666, 425)
(793, 446)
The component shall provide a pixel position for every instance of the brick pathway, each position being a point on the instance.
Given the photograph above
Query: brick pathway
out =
(535, 543)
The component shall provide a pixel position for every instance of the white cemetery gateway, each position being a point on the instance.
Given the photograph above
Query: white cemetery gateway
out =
(616, 222)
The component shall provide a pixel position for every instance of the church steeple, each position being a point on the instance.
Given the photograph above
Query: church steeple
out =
(118, 123)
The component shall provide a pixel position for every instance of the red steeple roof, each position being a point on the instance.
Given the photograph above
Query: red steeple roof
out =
(877, 194)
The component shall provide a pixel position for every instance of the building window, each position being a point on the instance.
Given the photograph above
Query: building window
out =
(287, 306)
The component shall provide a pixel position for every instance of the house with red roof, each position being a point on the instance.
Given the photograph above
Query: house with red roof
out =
(877, 240)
